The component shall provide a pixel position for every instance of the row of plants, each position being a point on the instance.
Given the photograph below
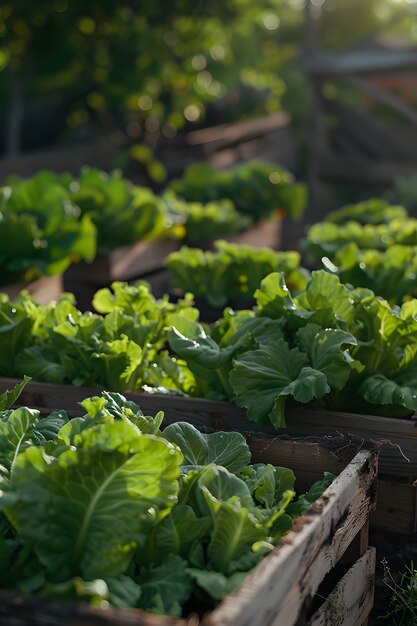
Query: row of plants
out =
(232, 272)
(193, 515)
(329, 345)
(371, 244)
(52, 220)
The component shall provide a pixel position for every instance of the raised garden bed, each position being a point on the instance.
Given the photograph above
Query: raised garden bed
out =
(325, 554)
(396, 509)
(266, 233)
(144, 260)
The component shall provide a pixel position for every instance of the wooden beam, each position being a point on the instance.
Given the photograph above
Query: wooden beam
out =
(383, 96)
(361, 61)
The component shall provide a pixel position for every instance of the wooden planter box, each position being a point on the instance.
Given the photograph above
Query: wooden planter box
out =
(144, 257)
(133, 262)
(266, 233)
(325, 554)
(43, 290)
(124, 263)
(145, 261)
(397, 503)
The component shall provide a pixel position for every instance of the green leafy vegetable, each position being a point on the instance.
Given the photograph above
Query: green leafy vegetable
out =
(57, 343)
(121, 212)
(95, 509)
(257, 189)
(233, 272)
(41, 230)
(8, 398)
(206, 222)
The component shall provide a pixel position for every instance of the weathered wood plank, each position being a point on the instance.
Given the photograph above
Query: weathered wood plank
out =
(401, 433)
(269, 598)
(18, 610)
(228, 134)
(43, 290)
(397, 507)
(266, 233)
(124, 263)
(359, 61)
(351, 601)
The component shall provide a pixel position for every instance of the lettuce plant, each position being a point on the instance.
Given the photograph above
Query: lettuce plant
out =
(232, 272)
(122, 212)
(205, 222)
(390, 273)
(373, 211)
(370, 244)
(331, 345)
(108, 508)
(41, 229)
(124, 349)
(257, 189)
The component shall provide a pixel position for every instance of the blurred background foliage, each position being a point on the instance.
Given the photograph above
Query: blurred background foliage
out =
(145, 69)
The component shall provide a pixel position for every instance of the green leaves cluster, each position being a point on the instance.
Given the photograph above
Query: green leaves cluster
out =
(256, 189)
(371, 244)
(233, 272)
(51, 220)
(107, 508)
(328, 345)
(390, 273)
(347, 347)
(124, 349)
(206, 222)
(123, 213)
(41, 230)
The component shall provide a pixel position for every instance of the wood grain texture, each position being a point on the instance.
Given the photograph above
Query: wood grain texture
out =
(275, 592)
(352, 599)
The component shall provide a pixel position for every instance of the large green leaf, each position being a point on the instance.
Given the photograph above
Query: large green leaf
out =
(9, 397)
(166, 587)
(378, 389)
(192, 343)
(328, 301)
(14, 335)
(83, 511)
(216, 485)
(263, 378)
(274, 299)
(120, 408)
(228, 449)
(235, 531)
(41, 363)
(268, 483)
(216, 584)
(15, 435)
(175, 534)
(324, 349)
